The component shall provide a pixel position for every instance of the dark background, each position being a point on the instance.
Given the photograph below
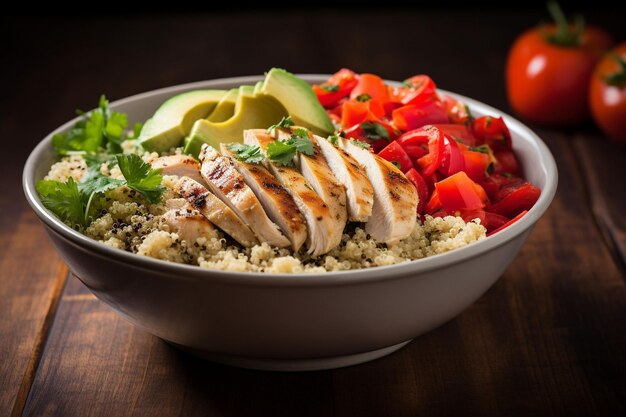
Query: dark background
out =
(547, 339)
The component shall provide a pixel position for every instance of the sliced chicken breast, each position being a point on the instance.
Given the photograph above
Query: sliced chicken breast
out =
(316, 170)
(179, 165)
(359, 189)
(188, 223)
(215, 211)
(394, 212)
(276, 201)
(316, 212)
(229, 186)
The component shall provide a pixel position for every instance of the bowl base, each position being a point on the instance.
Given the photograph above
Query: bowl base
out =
(292, 365)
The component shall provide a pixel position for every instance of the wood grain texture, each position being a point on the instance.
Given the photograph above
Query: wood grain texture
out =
(30, 287)
(547, 339)
(603, 164)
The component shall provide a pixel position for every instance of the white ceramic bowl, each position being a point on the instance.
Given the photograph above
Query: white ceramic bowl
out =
(298, 321)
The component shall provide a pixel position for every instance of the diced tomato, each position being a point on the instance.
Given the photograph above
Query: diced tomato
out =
(514, 201)
(337, 87)
(456, 110)
(496, 185)
(372, 85)
(458, 132)
(490, 221)
(415, 90)
(422, 188)
(415, 143)
(476, 164)
(507, 162)
(434, 204)
(493, 132)
(357, 132)
(436, 147)
(507, 224)
(414, 116)
(453, 160)
(353, 113)
(394, 153)
(459, 192)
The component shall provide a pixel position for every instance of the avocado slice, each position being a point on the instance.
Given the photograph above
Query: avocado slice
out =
(299, 99)
(225, 108)
(174, 119)
(251, 112)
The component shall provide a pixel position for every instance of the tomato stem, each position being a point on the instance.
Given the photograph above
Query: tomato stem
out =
(565, 34)
(618, 78)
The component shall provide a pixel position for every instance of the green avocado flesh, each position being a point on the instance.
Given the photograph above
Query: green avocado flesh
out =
(225, 108)
(299, 100)
(251, 112)
(174, 119)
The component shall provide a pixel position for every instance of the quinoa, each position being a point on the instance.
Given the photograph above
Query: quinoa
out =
(128, 222)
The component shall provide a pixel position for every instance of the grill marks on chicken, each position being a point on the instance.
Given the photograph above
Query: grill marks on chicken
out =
(359, 190)
(215, 211)
(320, 222)
(395, 198)
(274, 198)
(229, 186)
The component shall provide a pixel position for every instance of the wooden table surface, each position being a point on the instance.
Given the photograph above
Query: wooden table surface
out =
(548, 339)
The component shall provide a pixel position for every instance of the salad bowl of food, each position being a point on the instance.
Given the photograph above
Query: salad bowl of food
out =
(264, 223)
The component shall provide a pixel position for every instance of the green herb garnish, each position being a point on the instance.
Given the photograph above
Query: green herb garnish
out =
(246, 153)
(99, 129)
(285, 123)
(361, 144)
(481, 149)
(283, 151)
(334, 139)
(374, 131)
(332, 88)
(141, 177)
(396, 164)
(363, 97)
(71, 201)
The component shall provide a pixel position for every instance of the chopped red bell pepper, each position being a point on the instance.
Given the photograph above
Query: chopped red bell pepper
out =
(338, 86)
(507, 224)
(395, 153)
(414, 116)
(372, 85)
(422, 188)
(459, 192)
(514, 201)
(493, 132)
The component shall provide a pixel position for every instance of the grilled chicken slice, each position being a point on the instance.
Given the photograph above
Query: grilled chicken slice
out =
(394, 213)
(187, 222)
(319, 221)
(179, 165)
(215, 211)
(316, 170)
(229, 186)
(359, 189)
(276, 201)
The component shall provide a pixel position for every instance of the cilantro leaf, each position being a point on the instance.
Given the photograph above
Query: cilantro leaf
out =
(361, 144)
(141, 177)
(285, 123)
(396, 164)
(63, 199)
(247, 153)
(281, 153)
(363, 97)
(100, 128)
(334, 139)
(331, 88)
(374, 131)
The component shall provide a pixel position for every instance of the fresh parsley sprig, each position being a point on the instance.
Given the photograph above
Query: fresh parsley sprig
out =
(361, 144)
(101, 128)
(285, 123)
(246, 153)
(283, 152)
(71, 201)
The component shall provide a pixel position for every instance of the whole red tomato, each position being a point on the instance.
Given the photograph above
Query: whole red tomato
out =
(548, 70)
(607, 94)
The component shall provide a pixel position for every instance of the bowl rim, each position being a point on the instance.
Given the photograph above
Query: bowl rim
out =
(546, 162)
